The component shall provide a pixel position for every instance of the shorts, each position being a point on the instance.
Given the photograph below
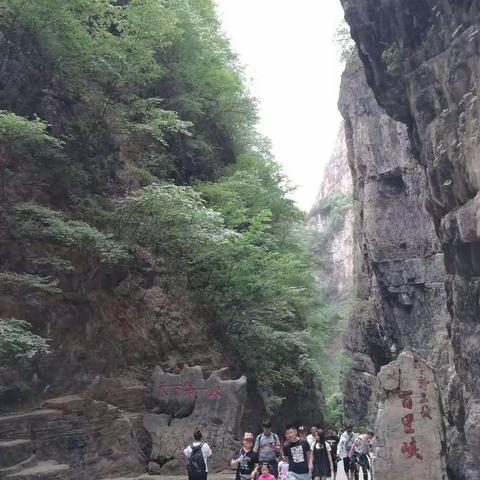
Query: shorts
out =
(298, 476)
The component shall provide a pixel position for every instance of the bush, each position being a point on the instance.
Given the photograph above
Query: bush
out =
(37, 222)
(28, 284)
(16, 339)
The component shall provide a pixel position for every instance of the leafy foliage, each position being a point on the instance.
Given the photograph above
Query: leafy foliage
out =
(17, 339)
(29, 284)
(345, 41)
(334, 208)
(159, 152)
(28, 154)
(37, 222)
(260, 292)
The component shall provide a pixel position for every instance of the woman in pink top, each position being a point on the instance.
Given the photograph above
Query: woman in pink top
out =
(265, 473)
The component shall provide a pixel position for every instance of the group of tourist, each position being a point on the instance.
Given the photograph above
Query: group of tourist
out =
(300, 455)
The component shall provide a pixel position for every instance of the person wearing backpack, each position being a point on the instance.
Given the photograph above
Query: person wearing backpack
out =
(347, 439)
(268, 447)
(197, 454)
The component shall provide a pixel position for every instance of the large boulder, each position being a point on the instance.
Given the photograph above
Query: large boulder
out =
(410, 431)
(181, 403)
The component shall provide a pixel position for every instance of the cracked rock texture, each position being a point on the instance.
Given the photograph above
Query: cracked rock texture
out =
(421, 181)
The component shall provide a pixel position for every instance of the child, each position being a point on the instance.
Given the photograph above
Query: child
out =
(265, 473)
(282, 470)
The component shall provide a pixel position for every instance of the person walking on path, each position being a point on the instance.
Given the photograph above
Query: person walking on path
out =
(197, 454)
(345, 445)
(265, 473)
(297, 453)
(311, 438)
(359, 453)
(246, 460)
(268, 447)
(321, 463)
(333, 439)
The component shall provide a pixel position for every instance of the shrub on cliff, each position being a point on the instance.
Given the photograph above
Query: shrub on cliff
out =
(17, 339)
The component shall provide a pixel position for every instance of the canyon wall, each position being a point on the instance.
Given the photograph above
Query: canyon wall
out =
(416, 204)
(332, 218)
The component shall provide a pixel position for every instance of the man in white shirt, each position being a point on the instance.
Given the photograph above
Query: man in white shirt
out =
(347, 439)
(312, 438)
(197, 454)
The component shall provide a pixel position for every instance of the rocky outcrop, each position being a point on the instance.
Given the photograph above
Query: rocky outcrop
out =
(410, 435)
(180, 404)
(332, 217)
(401, 300)
(422, 62)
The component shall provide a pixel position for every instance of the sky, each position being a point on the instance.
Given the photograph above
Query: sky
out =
(294, 69)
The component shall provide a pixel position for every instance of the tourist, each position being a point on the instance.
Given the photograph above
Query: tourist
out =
(321, 463)
(245, 460)
(345, 445)
(297, 453)
(302, 432)
(282, 470)
(197, 454)
(311, 438)
(359, 453)
(333, 439)
(265, 473)
(268, 447)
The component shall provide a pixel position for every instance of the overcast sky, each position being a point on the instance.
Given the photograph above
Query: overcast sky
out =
(288, 50)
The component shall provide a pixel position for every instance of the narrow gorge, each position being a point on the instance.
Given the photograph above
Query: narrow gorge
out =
(157, 276)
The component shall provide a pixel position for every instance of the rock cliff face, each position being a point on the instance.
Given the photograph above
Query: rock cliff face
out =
(332, 217)
(421, 60)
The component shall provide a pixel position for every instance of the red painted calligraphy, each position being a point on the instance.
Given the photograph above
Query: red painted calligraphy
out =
(426, 412)
(423, 382)
(410, 449)
(406, 397)
(162, 389)
(189, 390)
(407, 422)
(214, 393)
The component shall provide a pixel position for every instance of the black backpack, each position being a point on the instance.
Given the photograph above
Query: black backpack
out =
(196, 463)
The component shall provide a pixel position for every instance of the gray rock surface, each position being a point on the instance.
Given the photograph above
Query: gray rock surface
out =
(410, 435)
(401, 300)
(180, 404)
(422, 61)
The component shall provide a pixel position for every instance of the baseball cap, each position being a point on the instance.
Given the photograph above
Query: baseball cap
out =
(248, 436)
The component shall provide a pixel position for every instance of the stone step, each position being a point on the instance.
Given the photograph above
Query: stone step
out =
(13, 452)
(20, 424)
(45, 470)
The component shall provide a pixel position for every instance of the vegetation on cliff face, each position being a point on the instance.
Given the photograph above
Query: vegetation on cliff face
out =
(127, 127)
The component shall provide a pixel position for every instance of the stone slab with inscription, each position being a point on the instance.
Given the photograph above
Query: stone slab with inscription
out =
(180, 403)
(410, 434)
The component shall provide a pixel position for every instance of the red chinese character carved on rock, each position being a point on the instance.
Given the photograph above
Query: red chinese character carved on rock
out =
(423, 382)
(176, 389)
(426, 412)
(411, 450)
(214, 393)
(406, 397)
(162, 389)
(189, 390)
(407, 421)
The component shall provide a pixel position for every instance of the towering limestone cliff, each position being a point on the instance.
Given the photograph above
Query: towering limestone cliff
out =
(416, 186)
(333, 219)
